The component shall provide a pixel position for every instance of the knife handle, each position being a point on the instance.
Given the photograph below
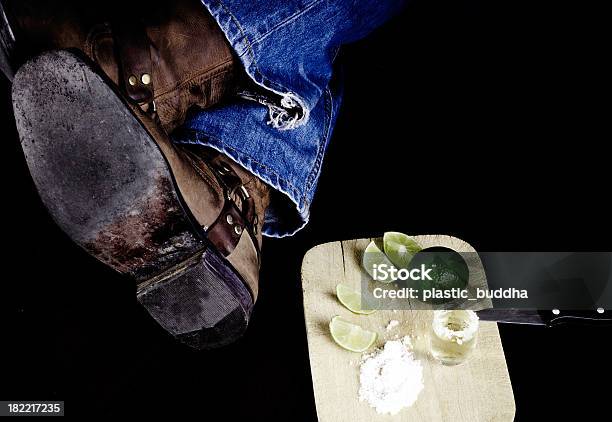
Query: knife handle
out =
(584, 317)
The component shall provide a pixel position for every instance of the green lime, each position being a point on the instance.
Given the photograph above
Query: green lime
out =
(448, 270)
(351, 298)
(400, 248)
(374, 256)
(350, 336)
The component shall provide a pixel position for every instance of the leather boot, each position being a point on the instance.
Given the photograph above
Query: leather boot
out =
(164, 55)
(183, 223)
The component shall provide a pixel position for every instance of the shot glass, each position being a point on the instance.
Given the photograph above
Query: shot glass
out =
(453, 336)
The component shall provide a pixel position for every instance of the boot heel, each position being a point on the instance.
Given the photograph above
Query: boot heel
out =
(207, 294)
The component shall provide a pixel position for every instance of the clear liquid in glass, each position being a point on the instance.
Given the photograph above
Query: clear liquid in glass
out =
(453, 336)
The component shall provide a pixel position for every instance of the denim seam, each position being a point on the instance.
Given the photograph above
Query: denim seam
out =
(319, 159)
(286, 21)
(246, 39)
(249, 48)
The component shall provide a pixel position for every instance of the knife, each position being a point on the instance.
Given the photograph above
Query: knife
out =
(547, 318)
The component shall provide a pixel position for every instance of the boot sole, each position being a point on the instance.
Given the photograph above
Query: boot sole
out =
(108, 185)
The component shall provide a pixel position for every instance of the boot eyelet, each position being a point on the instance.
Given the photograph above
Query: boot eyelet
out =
(230, 219)
(238, 230)
(145, 78)
(223, 169)
(132, 80)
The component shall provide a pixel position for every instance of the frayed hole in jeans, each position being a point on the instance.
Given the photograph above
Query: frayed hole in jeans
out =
(286, 111)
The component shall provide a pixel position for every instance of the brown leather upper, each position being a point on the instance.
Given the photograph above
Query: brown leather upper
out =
(170, 52)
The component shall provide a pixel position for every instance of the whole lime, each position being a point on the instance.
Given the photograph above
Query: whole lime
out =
(446, 270)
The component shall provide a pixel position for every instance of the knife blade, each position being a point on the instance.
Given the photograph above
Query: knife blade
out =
(548, 318)
(511, 316)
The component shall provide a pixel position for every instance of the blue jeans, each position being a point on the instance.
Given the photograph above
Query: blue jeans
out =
(279, 128)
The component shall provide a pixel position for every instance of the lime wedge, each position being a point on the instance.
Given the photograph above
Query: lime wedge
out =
(351, 298)
(400, 248)
(374, 256)
(350, 336)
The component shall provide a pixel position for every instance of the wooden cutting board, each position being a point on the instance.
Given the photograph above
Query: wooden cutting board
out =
(478, 390)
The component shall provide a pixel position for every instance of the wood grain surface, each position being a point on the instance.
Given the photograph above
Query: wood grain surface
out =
(478, 390)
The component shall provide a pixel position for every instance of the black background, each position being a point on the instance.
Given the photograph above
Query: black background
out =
(463, 118)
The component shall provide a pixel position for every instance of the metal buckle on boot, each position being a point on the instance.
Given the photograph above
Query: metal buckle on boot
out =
(227, 229)
(233, 221)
